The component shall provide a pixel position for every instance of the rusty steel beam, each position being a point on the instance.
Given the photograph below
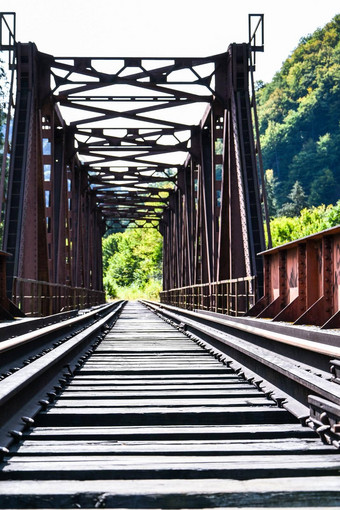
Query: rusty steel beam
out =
(51, 222)
(219, 188)
(102, 142)
(302, 281)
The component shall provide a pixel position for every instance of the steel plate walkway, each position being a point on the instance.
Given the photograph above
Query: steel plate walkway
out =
(153, 420)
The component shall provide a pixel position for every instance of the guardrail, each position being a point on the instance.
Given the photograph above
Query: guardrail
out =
(231, 297)
(38, 298)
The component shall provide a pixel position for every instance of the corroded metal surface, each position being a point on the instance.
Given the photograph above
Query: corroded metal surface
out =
(302, 281)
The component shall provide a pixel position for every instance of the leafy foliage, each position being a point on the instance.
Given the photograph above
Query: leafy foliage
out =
(271, 191)
(309, 221)
(299, 118)
(132, 263)
(297, 201)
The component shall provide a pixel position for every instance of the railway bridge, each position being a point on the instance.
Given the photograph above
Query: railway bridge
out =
(224, 394)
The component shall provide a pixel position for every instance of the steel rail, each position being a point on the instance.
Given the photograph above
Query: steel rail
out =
(154, 419)
(14, 352)
(13, 343)
(23, 393)
(292, 383)
(234, 323)
(19, 327)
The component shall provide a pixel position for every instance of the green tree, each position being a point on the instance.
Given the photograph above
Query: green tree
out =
(299, 117)
(272, 185)
(110, 246)
(298, 201)
(310, 221)
(323, 185)
(133, 260)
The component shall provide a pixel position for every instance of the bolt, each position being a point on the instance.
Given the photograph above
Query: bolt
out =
(28, 421)
(51, 396)
(3, 452)
(44, 404)
(324, 418)
(16, 435)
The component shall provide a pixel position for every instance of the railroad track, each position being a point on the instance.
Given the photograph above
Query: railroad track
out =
(298, 366)
(33, 364)
(157, 417)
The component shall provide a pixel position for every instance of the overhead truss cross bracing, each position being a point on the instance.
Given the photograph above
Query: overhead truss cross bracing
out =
(132, 120)
(108, 143)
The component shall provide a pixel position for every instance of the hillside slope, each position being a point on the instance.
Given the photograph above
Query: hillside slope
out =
(299, 116)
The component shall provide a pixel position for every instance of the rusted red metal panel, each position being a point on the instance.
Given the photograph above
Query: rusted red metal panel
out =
(302, 281)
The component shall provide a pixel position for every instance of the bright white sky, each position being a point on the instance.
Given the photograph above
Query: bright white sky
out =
(145, 28)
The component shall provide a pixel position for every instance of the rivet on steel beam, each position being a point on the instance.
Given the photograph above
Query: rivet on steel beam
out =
(16, 434)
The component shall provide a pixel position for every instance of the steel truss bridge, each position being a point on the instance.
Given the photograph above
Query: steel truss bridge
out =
(185, 403)
(102, 144)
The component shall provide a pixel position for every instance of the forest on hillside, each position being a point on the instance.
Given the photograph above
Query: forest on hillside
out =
(299, 122)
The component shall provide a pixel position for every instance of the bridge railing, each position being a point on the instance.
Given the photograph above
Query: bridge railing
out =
(302, 281)
(231, 297)
(38, 298)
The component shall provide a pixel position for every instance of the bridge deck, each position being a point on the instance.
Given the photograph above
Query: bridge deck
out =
(152, 420)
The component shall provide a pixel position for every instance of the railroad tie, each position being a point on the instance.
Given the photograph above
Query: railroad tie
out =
(153, 420)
